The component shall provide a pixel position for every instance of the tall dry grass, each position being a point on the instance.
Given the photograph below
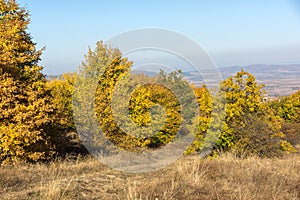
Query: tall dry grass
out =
(189, 178)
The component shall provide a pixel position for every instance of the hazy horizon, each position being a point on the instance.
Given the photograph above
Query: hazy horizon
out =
(232, 32)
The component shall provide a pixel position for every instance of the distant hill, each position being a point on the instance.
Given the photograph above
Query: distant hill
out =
(51, 77)
(264, 70)
(279, 80)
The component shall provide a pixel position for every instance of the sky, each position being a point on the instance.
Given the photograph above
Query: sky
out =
(232, 32)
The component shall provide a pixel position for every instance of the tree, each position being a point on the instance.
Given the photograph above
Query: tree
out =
(243, 96)
(63, 131)
(61, 89)
(98, 75)
(26, 112)
(19, 56)
(131, 114)
(249, 123)
(288, 108)
(260, 135)
(204, 118)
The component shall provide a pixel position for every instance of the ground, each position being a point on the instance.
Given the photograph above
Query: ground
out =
(190, 177)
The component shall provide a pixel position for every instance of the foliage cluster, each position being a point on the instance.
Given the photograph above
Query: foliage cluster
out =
(288, 108)
(26, 111)
(36, 115)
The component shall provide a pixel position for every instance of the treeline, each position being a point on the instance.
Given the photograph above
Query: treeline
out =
(36, 114)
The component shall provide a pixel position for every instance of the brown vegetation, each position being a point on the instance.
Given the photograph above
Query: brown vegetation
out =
(189, 178)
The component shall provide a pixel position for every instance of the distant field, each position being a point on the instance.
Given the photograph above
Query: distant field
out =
(189, 178)
(279, 80)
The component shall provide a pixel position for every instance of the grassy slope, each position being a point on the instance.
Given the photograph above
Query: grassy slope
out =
(188, 178)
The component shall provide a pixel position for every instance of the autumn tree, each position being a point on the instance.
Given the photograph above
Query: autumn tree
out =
(249, 124)
(25, 109)
(19, 56)
(63, 131)
(134, 112)
(61, 89)
(93, 90)
(203, 120)
(243, 95)
(288, 109)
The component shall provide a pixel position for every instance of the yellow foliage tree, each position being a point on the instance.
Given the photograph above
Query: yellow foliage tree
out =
(250, 127)
(63, 131)
(204, 118)
(61, 91)
(26, 112)
(152, 116)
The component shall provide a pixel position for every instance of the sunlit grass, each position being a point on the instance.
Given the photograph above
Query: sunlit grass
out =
(189, 178)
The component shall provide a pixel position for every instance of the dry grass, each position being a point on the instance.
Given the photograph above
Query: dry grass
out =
(188, 178)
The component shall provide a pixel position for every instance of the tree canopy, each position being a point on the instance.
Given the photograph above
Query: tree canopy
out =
(26, 111)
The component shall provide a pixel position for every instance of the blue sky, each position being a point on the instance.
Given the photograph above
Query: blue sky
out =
(232, 32)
